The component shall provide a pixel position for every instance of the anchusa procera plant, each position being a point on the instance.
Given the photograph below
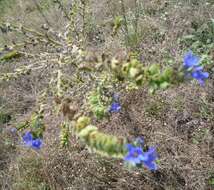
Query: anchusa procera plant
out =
(80, 81)
(136, 154)
(92, 78)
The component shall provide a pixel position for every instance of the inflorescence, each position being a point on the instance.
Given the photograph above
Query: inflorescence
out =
(192, 68)
(136, 156)
(30, 141)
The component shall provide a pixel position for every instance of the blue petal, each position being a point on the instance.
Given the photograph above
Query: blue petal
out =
(191, 60)
(149, 158)
(199, 75)
(151, 165)
(37, 143)
(152, 153)
(205, 74)
(115, 107)
(133, 160)
(129, 147)
(128, 157)
(201, 82)
(137, 160)
(198, 68)
(138, 150)
(135, 155)
(27, 138)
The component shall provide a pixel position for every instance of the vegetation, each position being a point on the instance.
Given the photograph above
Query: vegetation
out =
(106, 94)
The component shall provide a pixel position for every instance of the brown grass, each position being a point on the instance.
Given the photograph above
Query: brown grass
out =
(179, 121)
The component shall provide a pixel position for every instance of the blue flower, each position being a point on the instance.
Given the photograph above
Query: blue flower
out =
(37, 143)
(193, 68)
(149, 159)
(199, 75)
(27, 139)
(31, 142)
(134, 156)
(115, 107)
(190, 60)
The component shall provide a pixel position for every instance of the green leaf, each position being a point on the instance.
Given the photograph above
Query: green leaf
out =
(133, 72)
(164, 85)
(154, 69)
(4, 117)
(167, 73)
(86, 131)
(211, 181)
(99, 112)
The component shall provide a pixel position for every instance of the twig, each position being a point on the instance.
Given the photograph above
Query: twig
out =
(24, 29)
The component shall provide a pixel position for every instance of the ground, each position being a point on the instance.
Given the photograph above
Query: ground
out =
(179, 121)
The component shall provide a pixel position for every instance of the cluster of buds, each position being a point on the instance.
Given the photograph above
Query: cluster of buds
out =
(104, 144)
(153, 75)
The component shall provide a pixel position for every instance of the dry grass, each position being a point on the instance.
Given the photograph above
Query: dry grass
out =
(179, 121)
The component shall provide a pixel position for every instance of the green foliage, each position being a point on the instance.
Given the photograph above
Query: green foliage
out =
(35, 124)
(201, 41)
(106, 145)
(126, 21)
(10, 55)
(211, 179)
(64, 134)
(4, 6)
(96, 104)
(157, 79)
(4, 117)
(200, 135)
(206, 110)
(81, 24)
(46, 4)
(153, 75)
(179, 104)
(117, 24)
(100, 98)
